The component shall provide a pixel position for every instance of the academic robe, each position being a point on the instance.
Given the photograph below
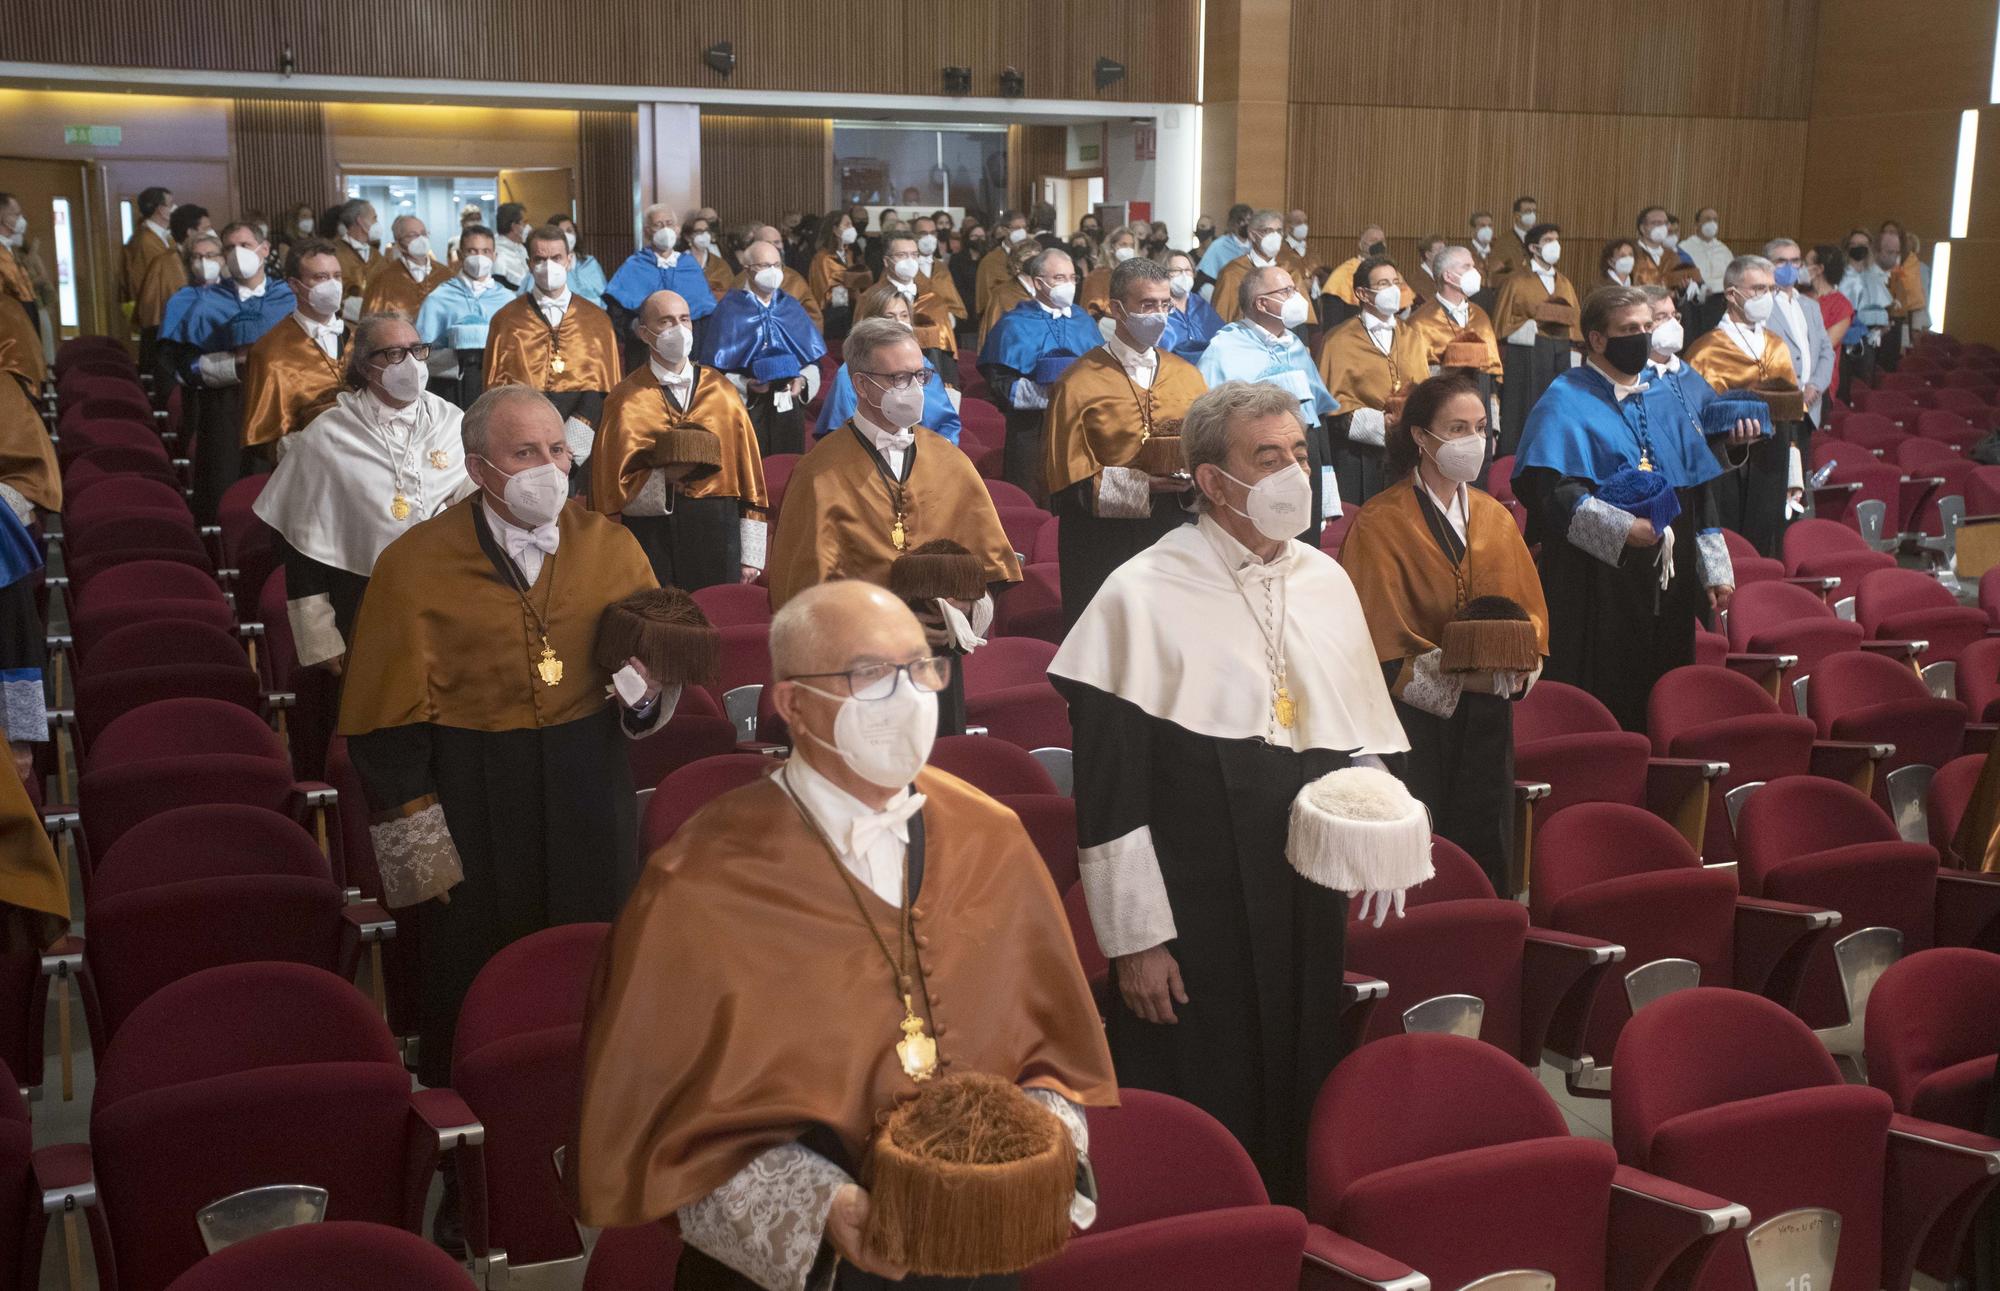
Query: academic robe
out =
(1612, 630)
(214, 320)
(390, 287)
(1098, 417)
(455, 317)
(946, 310)
(765, 345)
(644, 272)
(141, 249)
(1243, 351)
(1414, 574)
(1093, 294)
(830, 271)
(16, 281)
(163, 276)
(838, 406)
(1361, 376)
(742, 1014)
(287, 381)
(1435, 325)
(1184, 787)
(1527, 370)
(34, 893)
(24, 712)
(1340, 283)
(1191, 324)
(1002, 300)
(354, 270)
(1750, 495)
(841, 508)
(574, 364)
(462, 750)
(27, 455)
(698, 534)
(934, 323)
(715, 269)
(993, 271)
(1230, 281)
(1026, 341)
(794, 286)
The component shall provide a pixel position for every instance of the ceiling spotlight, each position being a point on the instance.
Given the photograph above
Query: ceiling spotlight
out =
(721, 57)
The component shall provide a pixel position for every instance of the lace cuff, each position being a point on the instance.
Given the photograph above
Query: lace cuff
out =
(1717, 570)
(1124, 493)
(1599, 529)
(1128, 903)
(1523, 335)
(580, 436)
(23, 510)
(313, 630)
(1368, 426)
(1026, 396)
(1428, 689)
(25, 704)
(767, 1222)
(415, 854)
(1083, 1205)
(654, 498)
(217, 369)
(751, 536)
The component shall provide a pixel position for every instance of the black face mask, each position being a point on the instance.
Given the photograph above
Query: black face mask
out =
(1204, 230)
(1377, 248)
(1857, 254)
(1628, 354)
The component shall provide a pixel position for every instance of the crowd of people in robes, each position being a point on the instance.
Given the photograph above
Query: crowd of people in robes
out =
(472, 458)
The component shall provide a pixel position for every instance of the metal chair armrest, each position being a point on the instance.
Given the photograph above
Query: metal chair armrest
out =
(1774, 942)
(1936, 1176)
(1336, 1263)
(1662, 1234)
(1560, 973)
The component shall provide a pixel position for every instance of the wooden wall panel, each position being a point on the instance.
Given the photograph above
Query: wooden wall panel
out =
(1936, 54)
(760, 167)
(280, 154)
(1865, 171)
(606, 190)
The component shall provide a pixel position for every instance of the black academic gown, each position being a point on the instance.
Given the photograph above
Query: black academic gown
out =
(1750, 492)
(1525, 374)
(695, 545)
(545, 826)
(1261, 1029)
(1091, 547)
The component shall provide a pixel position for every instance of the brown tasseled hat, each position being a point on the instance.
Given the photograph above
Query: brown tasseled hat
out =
(664, 629)
(685, 453)
(938, 569)
(1491, 634)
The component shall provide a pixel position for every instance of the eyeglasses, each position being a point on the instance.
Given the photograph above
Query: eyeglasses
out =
(874, 681)
(895, 380)
(390, 355)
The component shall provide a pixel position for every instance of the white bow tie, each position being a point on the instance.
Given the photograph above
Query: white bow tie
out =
(519, 540)
(891, 823)
(896, 443)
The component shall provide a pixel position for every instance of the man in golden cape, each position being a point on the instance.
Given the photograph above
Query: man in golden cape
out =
(493, 762)
(1371, 362)
(29, 478)
(1739, 353)
(294, 370)
(934, 278)
(355, 248)
(401, 277)
(699, 532)
(931, 314)
(1452, 313)
(151, 240)
(1267, 248)
(1101, 412)
(742, 1031)
(1527, 316)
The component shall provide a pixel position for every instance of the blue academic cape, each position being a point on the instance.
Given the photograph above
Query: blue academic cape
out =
(761, 342)
(838, 407)
(1685, 388)
(1226, 247)
(20, 554)
(214, 319)
(1190, 330)
(641, 275)
(1027, 335)
(1579, 428)
(1243, 351)
(454, 318)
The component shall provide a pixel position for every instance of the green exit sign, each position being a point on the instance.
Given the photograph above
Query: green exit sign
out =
(94, 136)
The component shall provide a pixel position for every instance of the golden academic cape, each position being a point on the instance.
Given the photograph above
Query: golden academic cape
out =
(354, 270)
(390, 287)
(287, 381)
(522, 349)
(1409, 588)
(1492, 265)
(934, 312)
(1521, 292)
(34, 898)
(164, 276)
(639, 409)
(14, 276)
(1435, 326)
(1098, 417)
(991, 273)
(741, 1001)
(1721, 362)
(830, 271)
(1230, 281)
(1360, 376)
(1906, 288)
(1002, 298)
(141, 249)
(715, 269)
(27, 455)
(1341, 283)
(840, 510)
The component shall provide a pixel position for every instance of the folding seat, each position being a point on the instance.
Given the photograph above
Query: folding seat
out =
(1731, 1094)
(745, 673)
(114, 400)
(778, 469)
(1613, 872)
(1933, 1030)
(1439, 1154)
(197, 887)
(698, 729)
(1901, 380)
(1929, 458)
(245, 543)
(1022, 523)
(24, 1174)
(1969, 404)
(687, 790)
(1031, 607)
(1945, 803)
(1970, 379)
(730, 604)
(1870, 430)
(1896, 405)
(1751, 567)
(1950, 428)
(1011, 661)
(125, 495)
(259, 1076)
(634, 1259)
(101, 464)
(1909, 605)
(1466, 961)
(1786, 619)
(1033, 716)
(1007, 495)
(145, 662)
(1018, 780)
(1180, 1208)
(83, 435)
(121, 541)
(1717, 715)
(1868, 698)
(1712, 648)
(1047, 543)
(327, 1257)
(1824, 549)
(517, 1054)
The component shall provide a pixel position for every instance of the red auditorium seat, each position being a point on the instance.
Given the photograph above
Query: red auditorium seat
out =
(1970, 379)
(1784, 618)
(1617, 873)
(103, 464)
(730, 604)
(1457, 938)
(1731, 1094)
(634, 1259)
(125, 495)
(248, 545)
(698, 729)
(1442, 1155)
(1948, 426)
(778, 468)
(1022, 523)
(354, 864)
(1181, 1208)
(1032, 716)
(327, 1257)
(1824, 549)
(257, 1075)
(1005, 662)
(1047, 543)
(1966, 403)
(693, 787)
(1749, 566)
(992, 766)
(24, 1174)
(1910, 605)
(1031, 607)
(1945, 803)
(1006, 495)
(516, 1055)
(83, 435)
(1867, 697)
(1870, 430)
(1933, 1030)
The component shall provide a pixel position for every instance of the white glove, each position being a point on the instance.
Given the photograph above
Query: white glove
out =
(350, 309)
(1522, 335)
(1368, 426)
(811, 373)
(1506, 683)
(1025, 394)
(1382, 902)
(580, 438)
(837, 297)
(217, 369)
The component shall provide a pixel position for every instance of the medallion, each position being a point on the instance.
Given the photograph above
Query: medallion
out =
(916, 1051)
(439, 459)
(550, 669)
(1284, 709)
(899, 537)
(400, 507)
(557, 365)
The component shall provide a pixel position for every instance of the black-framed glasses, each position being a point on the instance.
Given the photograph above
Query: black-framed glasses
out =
(896, 380)
(873, 681)
(390, 355)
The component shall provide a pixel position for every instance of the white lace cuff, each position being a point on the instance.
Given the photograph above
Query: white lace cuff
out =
(1128, 903)
(1026, 396)
(313, 633)
(1368, 426)
(1522, 335)
(751, 535)
(1599, 529)
(23, 510)
(579, 435)
(663, 711)
(1717, 570)
(1430, 690)
(415, 855)
(768, 1220)
(1082, 1209)
(1124, 493)
(1795, 470)
(25, 705)
(653, 496)
(217, 369)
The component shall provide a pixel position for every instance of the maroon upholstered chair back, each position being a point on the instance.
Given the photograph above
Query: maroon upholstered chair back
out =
(327, 1257)
(1945, 803)
(1801, 814)
(1157, 1157)
(1033, 716)
(1006, 662)
(694, 786)
(1553, 708)
(1695, 696)
(729, 604)
(1594, 842)
(151, 580)
(1933, 1030)
(992, 766)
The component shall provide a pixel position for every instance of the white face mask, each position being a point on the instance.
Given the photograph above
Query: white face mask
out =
(569, 239)
(1656, 233)
(1670, 239)
(1017, 236)
(663, 238)
(927, 244)
(1667, 337)
(244, 263)
(1062, 294)
(884, 741)
(1181, 283)
(1267, 246)
(1122, 254)
(1293, 311)
(305, 226)
(210, 270)
(903, 408)
(702, 240)
(1483, 235)
(1550, 252)
(551, 276)
(1388, 300)
(1623, 264)
(673, 344)
(1470, 282)
(1709, 228)
(1525, 220)
(1278, 505)
(1146, 329)
(406, 380)
(478, 266)
(536, 495)
(419, 248)
(1758, 308)
(769, 278)
(1459, 460)
(324, 297)
(848, 234)
(904, 267)
(1299, 232)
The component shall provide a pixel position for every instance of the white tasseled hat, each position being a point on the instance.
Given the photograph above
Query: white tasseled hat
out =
(1358, 829)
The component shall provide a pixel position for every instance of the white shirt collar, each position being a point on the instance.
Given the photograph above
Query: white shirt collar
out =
(1378, 326)
(361, 249)
(1051, 311)
(1461, 313)
(1543, 270)
(751, 292)
(1129, 357)
(162, 232)
(1632, 385)
(250, 293)
(511, 536)
(885, 439)
(835, 811)
(666, 258)
(1749, 337)
(557, 303)
(1671, 366)
(1297, 245)
(1234, 554)
(393, 418)
(1260, 262)
(1454, 508)
(1652, 252)
(683, 377)
(315, 329)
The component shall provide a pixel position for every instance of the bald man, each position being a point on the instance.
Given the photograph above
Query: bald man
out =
(769, 345)
(699, 527)
(794, 284)
(734, 1007)
(656, 266)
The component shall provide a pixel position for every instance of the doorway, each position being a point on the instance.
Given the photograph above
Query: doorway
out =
(68, 241)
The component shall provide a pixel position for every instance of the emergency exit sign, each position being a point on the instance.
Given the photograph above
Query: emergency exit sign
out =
(94, 136)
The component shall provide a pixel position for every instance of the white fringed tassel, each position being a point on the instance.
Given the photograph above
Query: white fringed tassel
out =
(1358, 829)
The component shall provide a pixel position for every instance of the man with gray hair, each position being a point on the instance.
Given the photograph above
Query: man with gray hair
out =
(1745, 352)
(1226, 663)
(1026, 352)
(356, 248)
(1452, 321)
(1267, 248)
(1800, 325)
